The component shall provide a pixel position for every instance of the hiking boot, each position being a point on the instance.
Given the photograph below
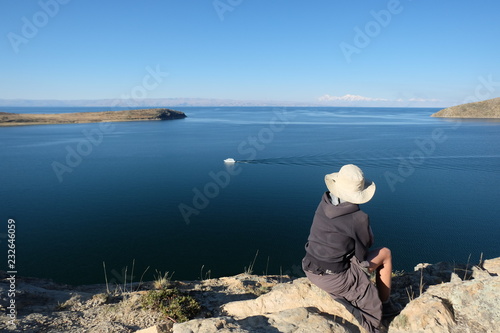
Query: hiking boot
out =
(390, 309)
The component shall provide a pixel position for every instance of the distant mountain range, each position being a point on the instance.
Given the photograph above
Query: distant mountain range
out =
(345, 101)
(147, 102)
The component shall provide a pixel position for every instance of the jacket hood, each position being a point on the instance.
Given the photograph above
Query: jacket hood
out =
(332, 211)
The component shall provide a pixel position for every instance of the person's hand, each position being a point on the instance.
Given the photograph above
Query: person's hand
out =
(364, 264)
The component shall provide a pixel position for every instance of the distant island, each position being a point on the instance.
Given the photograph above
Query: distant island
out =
(16, 119)
(485, 109)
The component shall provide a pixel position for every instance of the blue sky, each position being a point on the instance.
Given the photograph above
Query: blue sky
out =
(410, 53)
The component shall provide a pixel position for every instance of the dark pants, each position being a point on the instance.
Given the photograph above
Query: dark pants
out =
(354, 290)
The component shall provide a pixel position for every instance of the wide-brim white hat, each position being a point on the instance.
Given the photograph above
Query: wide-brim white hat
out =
(350, 184)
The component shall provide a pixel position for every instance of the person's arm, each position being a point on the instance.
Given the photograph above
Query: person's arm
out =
(372, 238)
(363, 237)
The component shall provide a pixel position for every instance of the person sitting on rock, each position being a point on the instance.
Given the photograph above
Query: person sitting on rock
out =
(338, 259)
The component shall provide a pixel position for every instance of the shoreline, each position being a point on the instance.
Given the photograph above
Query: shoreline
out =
(25, 119)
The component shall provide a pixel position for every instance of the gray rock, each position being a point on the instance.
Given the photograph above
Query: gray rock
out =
(297, 306)
(298, 320)
(286, 296)
(457, 306)
(492, 266)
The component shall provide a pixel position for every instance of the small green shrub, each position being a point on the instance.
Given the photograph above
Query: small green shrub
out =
(172, 303)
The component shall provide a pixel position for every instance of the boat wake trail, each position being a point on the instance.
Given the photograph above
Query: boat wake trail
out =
(385, 160)
(324, 159)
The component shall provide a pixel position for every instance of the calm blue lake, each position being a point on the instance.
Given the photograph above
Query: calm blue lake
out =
(158, 195)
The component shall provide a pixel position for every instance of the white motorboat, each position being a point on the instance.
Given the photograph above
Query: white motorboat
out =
(229, 160)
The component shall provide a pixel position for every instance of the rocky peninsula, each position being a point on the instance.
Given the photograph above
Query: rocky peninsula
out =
(484, 109)
(16, 119)
(442, 297)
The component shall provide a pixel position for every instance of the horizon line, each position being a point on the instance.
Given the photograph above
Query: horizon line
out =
(211, 102)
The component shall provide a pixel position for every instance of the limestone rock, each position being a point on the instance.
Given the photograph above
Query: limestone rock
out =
(450, 302)
(480, 273)
(297, 306)
(455, 278)
(492, 266)
(285, 296)
(155, 329)
(458, 306)
(425, 314)
(298, 320)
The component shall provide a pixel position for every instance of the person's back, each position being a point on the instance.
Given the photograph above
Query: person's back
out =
(337, 233)
(338, 259)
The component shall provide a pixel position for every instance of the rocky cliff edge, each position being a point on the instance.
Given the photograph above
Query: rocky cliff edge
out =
(442, 297)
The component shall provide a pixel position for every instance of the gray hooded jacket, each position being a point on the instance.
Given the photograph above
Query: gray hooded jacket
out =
(337, 233)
